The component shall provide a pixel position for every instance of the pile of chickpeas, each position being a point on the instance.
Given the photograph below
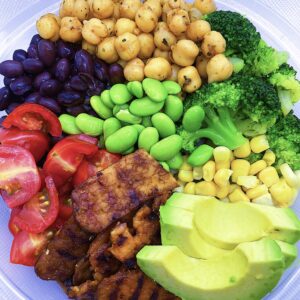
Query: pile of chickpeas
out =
(160, 39)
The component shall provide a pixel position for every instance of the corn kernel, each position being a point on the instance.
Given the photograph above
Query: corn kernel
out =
(206, 188)
(209, 170)
(222, 156)
(185, 165)
(222, 176)
(289, 175)
(269, 157)
(238, 195)
(257, 191)
(225, 200)
(265, 199)
(197, 173)
(222, 191)
(282, 193)
(185, 176)
(268, 176)
(259, 144)
(232, 187)
(243, 151)
(190, 188)
(240, 167)
(249, 182)
(257, 167)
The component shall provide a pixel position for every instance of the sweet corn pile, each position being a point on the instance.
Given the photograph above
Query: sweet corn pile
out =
(230, 177)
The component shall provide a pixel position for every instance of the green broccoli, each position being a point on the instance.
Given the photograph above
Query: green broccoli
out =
(253, 157)
(284, 140)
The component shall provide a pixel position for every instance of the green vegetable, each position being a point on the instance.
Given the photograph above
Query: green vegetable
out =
(172, 87)
(238, 64)
(155, 90)
(128, 151)
(253, 157)
(100, 108)
(125, 116)
(135, 88)
(119, 94)
(147, 121)
(193, 118)
(176, 162)
(139, 127)
(148, 137)
(145, 107)
(105, 97)
(173, 107)
(68, 124)
(89, 124)
(164, 124)
(200, 155)
(165, 166)
(110, 126)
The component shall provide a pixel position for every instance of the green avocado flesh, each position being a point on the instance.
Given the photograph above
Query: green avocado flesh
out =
(289, 252)
(248, 272)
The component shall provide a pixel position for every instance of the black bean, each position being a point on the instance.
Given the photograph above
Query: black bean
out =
(62, 69)
(11, 68)
(33, 98)
(47, 52)
(84, 62)
(50, 104)
(5, 97)
(19, 55)
(41, 78)
(70, 98)
(21, 85)
(33, 66)
(50, 87)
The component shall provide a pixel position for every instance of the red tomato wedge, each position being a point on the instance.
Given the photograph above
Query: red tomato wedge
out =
(65, 157)
(13, 228)
(85, 170)
(36, 142)
(26, 247)
(41, 211)
(33, 117)
(65, 208)
(19, 175)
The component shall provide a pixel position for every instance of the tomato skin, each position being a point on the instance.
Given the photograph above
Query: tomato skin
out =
(13, 228)
(36, 142)
(65, 208)
(31, 116)
(104, 159)
(85, 170)
(19, 175)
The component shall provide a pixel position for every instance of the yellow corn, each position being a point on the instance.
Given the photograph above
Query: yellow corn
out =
(232, 187)
(268, 176)
(265, 199)
(240, 167)
(222, 176)
(222, 157)
(222, 191)
(259, 144)
(269, 157)
(206, 188)
(185, 176)
(197, 173)
(179, 189)
(185, 165)
(297, 172)
(238, 195)
(257, 191)
(282, 193)
(249, 182)
(225, 200)
(209, 170)
(289, 175)
(243, 151)
(257, 167)
(190, 188)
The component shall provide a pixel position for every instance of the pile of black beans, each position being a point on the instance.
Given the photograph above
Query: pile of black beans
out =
(60, 76)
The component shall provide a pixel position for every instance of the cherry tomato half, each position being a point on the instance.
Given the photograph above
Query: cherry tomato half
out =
(13, 228)
(19, 175)
(31, 116)
(65, 208)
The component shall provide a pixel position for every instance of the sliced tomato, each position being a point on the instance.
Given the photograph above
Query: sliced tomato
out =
(13, 228)
(65, 208)
(84, 138)
(26, 247)
(19, 175)
(41, 211)
(65, 157)
(58, 224)
(85, 170)
(31, 116)
(36, 142)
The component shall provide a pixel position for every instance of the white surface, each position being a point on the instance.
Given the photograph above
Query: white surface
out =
(16, 28)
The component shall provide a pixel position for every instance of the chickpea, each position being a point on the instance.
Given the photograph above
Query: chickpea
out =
(157, 68)
(129, 8)
(122, 63)
(102, 9)
(201, 64)
(213, 43)
(174, 72)
(178, 20)
(70, 30)
(116, 13)
(166, 8)
(197, 30)
(48, 27)
(146, 45)
(219, 68)
(110, 25)
(106, 50)
(195, 14)
(189, 79)
(155, 6)
(124, 25)
(146, 19)
(127, 46)
(66, 8)
(92, 49)
(134, 70)
(163, 37)
(94, 30)
(81, 9)
(161, 53)
(205, 6)
(184, 52)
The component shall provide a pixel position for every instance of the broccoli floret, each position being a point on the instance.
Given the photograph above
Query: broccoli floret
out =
(240, 34)
(253, 157)
(284, 140)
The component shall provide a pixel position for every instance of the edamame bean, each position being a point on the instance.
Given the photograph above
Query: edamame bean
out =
(126, 116)
(173, 107)
(100, 108)
(155, 90)
(128, 151)
(89, 124)
(167, 148)
(147, 122)
(145, 107)
(193, 117)
(136, 88)
(119, 94)
(139, 127)
(201, 155)
(148, 137)
(164, 124)
(121, 140)
(117, 108)
(176, 162)
(165, 166)
(105, 97)
(110, 126)
(172, 87)
(68, 124)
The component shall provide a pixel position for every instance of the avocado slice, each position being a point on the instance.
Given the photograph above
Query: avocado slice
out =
(247, 273)
(289, 252)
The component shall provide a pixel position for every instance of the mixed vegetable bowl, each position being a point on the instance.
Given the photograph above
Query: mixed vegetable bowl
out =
(195, 87)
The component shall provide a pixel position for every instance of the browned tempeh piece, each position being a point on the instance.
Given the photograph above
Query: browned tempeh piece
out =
(119, 189)
(83, 271)
(85, 291)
